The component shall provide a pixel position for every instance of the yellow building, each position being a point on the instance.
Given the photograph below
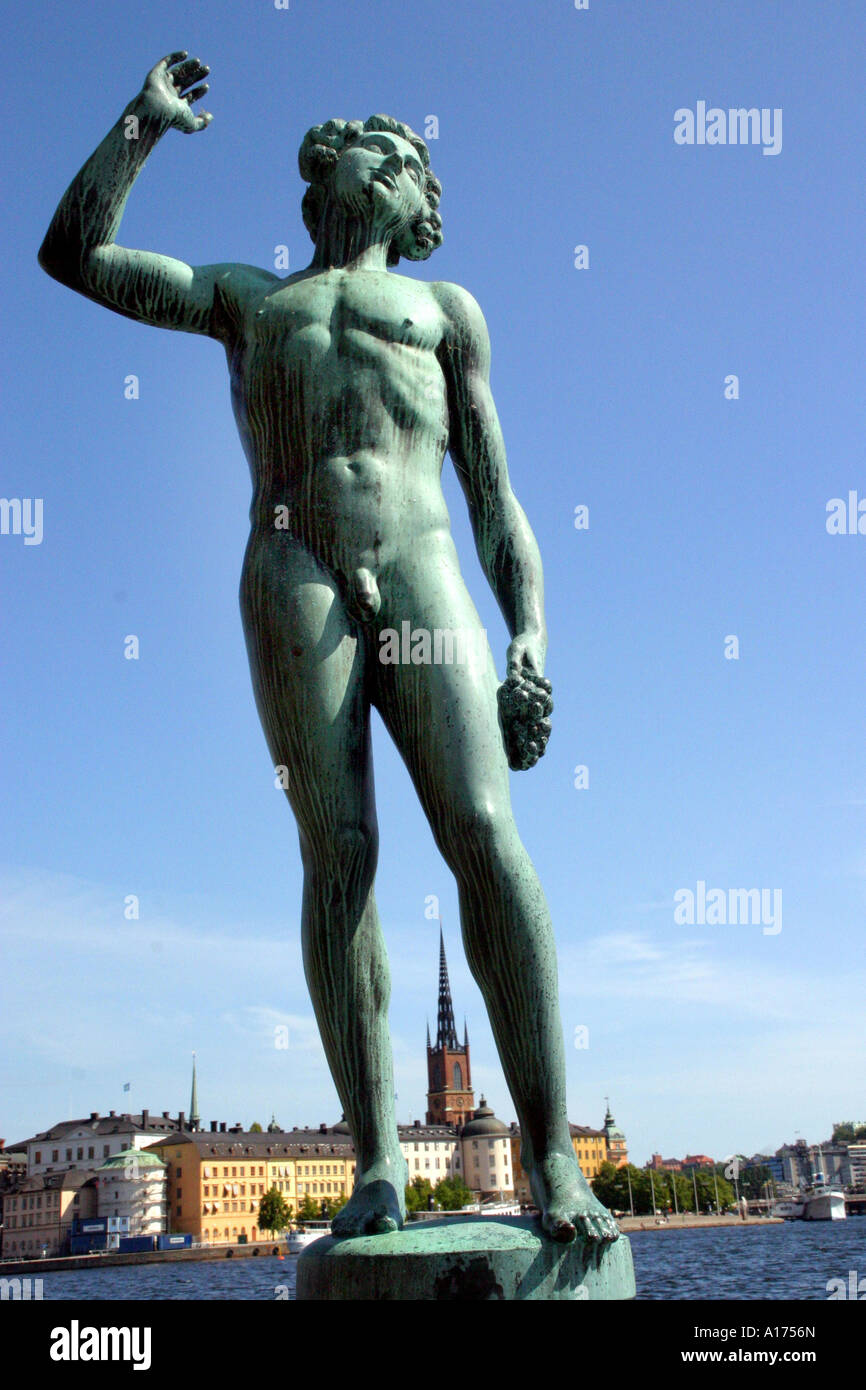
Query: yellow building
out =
(38, 1213)
(590, 1146)
(216, 1179)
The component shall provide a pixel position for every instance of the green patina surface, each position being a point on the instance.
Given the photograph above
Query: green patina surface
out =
(465, 1259)
(350, 383)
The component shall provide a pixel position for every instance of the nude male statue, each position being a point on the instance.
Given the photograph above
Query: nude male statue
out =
(349, 383)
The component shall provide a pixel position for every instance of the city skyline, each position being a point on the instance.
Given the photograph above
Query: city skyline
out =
(150, 879)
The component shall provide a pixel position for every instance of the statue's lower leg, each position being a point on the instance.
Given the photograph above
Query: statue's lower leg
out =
(347, 974)
(511, 951)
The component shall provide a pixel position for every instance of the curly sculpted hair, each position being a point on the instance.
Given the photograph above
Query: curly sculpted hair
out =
(317, 158)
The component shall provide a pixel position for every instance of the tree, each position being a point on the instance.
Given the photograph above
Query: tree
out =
(274, 1211)
(418, 1194)
(333, 1205)
(848, 1133)
(754, 1179)
(452, 1193)
(256, 1128)
(309, 1210)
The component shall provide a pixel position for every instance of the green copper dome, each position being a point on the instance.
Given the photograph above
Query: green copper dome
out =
(129, 1158)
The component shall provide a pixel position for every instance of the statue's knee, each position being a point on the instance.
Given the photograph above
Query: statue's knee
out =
(344, 852)
(478, 833)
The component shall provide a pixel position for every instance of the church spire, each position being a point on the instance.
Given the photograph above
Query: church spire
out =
(194, 1117)
(446, 1033)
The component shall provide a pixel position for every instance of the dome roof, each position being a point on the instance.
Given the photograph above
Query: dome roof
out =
(484, 1122)
(131, 1158)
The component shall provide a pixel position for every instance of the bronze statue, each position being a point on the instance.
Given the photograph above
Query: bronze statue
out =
(349, 384)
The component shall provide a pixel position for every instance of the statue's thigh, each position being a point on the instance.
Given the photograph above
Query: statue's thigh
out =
(307, 668)
(443, 714)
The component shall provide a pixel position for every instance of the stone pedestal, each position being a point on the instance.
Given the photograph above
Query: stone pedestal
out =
(464, 1259)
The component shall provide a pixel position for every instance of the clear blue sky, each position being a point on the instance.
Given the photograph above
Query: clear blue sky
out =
(707, 518)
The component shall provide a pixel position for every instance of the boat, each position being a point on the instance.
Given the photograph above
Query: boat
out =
(789, 1211)
(816, 1201)
(822, 1201)
(304, 1234)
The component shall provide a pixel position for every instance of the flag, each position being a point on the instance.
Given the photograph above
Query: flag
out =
(126, 1085)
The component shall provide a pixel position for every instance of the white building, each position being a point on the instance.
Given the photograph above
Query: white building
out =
(132, 1186)
(479, 1153)
(84, 1144)
(486, 1145)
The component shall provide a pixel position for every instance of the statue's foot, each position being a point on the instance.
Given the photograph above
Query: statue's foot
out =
(378, 1203)
(567, 1203)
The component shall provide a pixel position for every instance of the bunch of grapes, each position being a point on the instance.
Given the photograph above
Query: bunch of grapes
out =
(525, 706)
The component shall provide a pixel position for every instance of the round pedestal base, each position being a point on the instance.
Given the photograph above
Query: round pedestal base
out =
(463, 1259)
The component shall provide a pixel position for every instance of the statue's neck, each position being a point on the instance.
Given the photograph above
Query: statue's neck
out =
(350, 242)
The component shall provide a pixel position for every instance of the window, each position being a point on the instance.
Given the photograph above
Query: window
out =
(105, 1151)
(55, 1155)
(38, 1156)
(90, 1152)
(80, 1153)
(458, 1077)
(69, 1155)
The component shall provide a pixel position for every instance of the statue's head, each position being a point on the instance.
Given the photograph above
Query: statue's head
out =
(378, 167)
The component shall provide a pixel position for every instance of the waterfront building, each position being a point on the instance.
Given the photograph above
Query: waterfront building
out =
(590, 1147)
(665, 1165)
(84, 1144)
(131, 1188)
(450, 1098)
(217, 1178)
(617, 1148)
(39, 1212)
(488, 1169)
(431, 1151)
(857, 1166)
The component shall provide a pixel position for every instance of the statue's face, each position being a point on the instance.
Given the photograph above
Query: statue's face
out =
(383, 171)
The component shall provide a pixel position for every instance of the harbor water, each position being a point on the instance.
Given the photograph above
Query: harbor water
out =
(797, 1260)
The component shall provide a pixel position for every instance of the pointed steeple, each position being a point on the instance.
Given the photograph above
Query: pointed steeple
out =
(194, 1117)
(446, 1033)
(428, 1035)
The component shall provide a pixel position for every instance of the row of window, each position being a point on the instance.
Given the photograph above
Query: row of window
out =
(21, 1203)
(79, 1153)
(227, 1206)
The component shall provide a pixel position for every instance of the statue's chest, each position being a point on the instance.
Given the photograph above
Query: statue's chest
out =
(304, 323)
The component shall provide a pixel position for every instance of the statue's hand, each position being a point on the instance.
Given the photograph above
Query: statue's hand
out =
(164, 89)
(525, 704)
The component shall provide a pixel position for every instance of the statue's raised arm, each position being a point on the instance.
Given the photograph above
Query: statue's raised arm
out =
(79, 248)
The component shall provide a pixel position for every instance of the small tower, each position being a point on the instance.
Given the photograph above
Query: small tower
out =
(450, 1099)
(617, 1149)
(194, 1117)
